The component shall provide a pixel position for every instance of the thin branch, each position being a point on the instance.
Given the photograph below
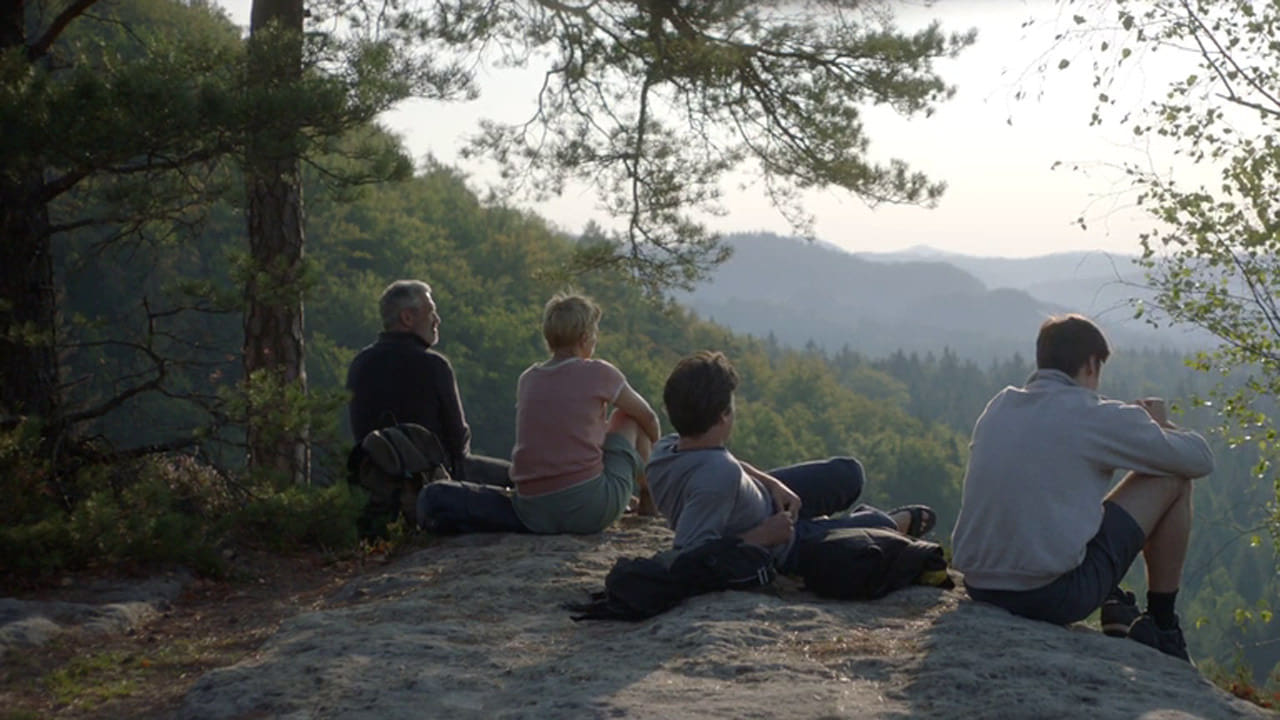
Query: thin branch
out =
(115, 402)
(59, 185)
(140, 451)
(1261, 296)
(1230, 59)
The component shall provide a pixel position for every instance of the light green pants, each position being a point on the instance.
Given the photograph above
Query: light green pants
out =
(591, 506)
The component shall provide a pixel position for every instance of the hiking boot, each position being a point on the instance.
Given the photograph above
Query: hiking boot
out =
(1117, 613)
(1169, 642)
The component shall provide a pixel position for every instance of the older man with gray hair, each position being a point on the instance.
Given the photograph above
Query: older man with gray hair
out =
(400, 379)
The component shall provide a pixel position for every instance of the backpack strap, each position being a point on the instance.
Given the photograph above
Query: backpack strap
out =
(724, 564)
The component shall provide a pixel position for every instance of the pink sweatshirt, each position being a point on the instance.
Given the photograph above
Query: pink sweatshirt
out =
(562, 413)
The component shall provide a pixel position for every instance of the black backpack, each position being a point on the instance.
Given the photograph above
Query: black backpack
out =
(641, 587)
(868, 563)
(392, 464)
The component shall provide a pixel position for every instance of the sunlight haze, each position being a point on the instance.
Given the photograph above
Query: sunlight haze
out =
(995, 152)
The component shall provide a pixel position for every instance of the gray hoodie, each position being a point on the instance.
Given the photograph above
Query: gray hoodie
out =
(1041, 461)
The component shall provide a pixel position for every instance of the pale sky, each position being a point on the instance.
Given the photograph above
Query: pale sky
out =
(995, 153)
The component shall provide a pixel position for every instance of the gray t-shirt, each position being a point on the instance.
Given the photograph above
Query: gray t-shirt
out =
(705, 494)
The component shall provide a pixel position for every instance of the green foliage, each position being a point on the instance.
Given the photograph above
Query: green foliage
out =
(1212, 253)
(165, 511)
(152, 512)
(135, 114)
(1239, 681)
(1212, 258)
(26, 473)
(652, 104)
(298, 517)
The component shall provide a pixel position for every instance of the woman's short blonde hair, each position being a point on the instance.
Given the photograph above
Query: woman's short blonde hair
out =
(567, 319)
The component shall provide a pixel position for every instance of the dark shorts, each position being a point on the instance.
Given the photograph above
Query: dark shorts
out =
(1076, 594)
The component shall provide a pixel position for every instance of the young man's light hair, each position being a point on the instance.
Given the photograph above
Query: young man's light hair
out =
(567, 319)
(398, 296)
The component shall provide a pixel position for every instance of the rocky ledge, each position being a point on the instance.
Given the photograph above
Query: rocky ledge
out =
(473, 627)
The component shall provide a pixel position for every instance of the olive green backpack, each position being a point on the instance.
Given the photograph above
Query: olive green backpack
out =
(391, 465)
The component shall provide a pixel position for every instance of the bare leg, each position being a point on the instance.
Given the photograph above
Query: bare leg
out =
(1162, 507)
(626, 426)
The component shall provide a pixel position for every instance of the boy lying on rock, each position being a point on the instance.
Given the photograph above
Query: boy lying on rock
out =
(706, 493)
(736, 526)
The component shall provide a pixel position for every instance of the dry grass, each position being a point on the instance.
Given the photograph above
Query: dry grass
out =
(145, 674)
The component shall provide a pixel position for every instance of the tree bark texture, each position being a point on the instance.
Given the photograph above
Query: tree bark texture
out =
(273, 350)
(28, 301)
(28, 305)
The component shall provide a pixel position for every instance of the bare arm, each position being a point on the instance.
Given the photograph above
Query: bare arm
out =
(787, 501)
(630, 402)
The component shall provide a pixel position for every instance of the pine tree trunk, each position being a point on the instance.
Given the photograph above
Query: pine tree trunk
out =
(28, 306)
(274, 354)
(28, 302)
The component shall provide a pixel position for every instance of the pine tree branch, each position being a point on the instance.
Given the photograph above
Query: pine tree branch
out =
(40, 47)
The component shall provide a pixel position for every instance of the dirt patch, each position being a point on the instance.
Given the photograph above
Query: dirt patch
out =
(144, 672)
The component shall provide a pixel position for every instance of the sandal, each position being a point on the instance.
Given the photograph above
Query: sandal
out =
(923, 518)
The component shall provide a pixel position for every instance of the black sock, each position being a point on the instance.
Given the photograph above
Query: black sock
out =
(1160, 606)
(1116, 594)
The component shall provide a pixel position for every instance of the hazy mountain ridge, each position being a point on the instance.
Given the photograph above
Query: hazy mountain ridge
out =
(920, 299)
(1022, 272)
(1094, 282)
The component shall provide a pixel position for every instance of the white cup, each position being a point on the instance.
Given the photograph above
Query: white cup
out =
(1156, 408)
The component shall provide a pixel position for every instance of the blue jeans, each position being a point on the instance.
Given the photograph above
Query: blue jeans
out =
(485, 470)
(447, 507)
(826, 487)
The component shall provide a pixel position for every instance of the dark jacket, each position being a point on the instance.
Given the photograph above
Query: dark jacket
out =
(400, 379)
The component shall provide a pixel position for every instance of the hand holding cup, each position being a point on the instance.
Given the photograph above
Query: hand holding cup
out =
(1156, 408)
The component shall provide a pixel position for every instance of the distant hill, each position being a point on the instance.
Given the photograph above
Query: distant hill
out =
(918, 300)
(1023, 273)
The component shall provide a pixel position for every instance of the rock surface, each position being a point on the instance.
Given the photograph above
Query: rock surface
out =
(473, 627)
(101, 607)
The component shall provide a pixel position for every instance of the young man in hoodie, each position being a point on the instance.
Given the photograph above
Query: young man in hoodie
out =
(1041, 532)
